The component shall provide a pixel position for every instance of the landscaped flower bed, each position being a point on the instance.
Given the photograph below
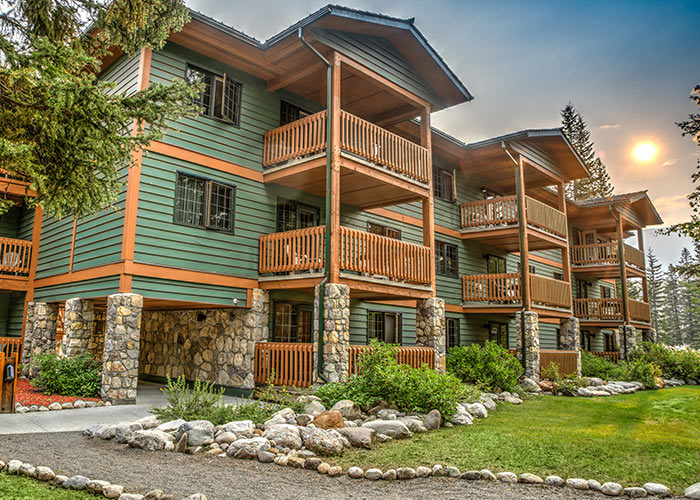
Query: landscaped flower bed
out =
(28, 395)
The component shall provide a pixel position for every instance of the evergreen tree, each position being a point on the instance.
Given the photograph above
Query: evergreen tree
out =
(598, 184)
(672, 332)
(655, 284)
(690, 298)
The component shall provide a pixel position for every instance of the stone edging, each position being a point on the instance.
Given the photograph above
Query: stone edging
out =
(56, 406)
(77, 482)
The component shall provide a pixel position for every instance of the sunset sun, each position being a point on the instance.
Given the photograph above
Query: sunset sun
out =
(645, 151)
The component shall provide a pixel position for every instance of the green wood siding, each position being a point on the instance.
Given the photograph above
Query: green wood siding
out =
(14, 314)
(359, 317)
(9, 222)
(98, 287)
(191, 292)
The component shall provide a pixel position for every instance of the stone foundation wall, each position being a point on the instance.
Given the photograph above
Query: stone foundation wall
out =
(430, 328)
(40, 334)
(570, 339)
(96, 347)
(215, 345)
(532, 343)
(77, 327)
(336, 331)
(629, 332)
(120, 362)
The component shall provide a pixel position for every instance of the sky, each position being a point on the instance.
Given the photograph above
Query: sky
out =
(627, 66)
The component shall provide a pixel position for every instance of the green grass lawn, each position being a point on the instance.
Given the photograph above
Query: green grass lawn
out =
(631, 439)
(23, 488)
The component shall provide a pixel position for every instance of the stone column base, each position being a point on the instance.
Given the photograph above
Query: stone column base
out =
(336, 331)
(570, 339)
(532, 343)
(430, 328)
(43, 336)
(630, 333)
(77, 329)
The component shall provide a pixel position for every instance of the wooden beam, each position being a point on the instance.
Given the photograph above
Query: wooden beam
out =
(565, 259)
(334, 222)
(293, 76)
(640, 245)
(523, 230)
(428, 205)
(72, 244)
(33, 260)
(623, 272)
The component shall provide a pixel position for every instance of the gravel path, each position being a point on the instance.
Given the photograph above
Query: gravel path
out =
(140, 471)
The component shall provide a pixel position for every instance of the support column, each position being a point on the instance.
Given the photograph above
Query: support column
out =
(120, 370)
(336, 331)
(570, 339)
(430, 328)
(428, 204)
(255, 330)
(649, 335)
(532, 343)
(334, 205)
(628, 339)
(28, 336)
(43, 334)
(77, 327)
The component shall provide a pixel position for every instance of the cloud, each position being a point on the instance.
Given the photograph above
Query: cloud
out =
(673, 209)
(610, 126)
(668, 163)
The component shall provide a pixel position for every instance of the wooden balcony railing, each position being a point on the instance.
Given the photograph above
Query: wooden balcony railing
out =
(604, 254)
(308, 136)
(298, 250)
(503, 287)
(15, 256)
(414, 357)
(639, 311)
(550, 292)
(603, 309)
(545, 217)
(612, 356)
(489, 213)
(379, 255)
(567, 360)
(11, 346)
(288, 364)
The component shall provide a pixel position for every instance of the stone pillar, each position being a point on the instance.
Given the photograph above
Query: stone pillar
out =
(120, 370)
(255, 329)
(570, 339)
(649, 335)
(430, 328)
(43, 333)
(77, 327)
(28, 336)
(532, 343)
(629, 332)
(336, 331)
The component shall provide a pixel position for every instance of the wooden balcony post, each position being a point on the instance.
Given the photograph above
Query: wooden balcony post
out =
(428, 204)
(334, 222)
(33, 259)
(640, 245)
(522, 225)
(565, 259)
(623, 271)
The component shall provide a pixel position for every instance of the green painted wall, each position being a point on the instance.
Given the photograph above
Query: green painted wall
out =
(99, 287)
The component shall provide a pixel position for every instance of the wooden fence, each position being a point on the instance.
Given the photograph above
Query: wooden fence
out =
(289, 364)
(414, 357)
(8, 390)
(294, 140)
(639, 311)
(15, 256)
(634, 257)
(603, 309)
(11, 346)
(545, 217)
(488, 213)
(503, 287)
(565, 359)
(605, 253)
(297, 250)
(550, 292)
(612, 356)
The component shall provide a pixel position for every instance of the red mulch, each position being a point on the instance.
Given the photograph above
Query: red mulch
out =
(28, 395)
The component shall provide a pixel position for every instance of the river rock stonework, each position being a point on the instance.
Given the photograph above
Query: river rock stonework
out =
(649, 335)
(77, 327)
(629, 332)
(216, 345)
(43, 333)
(430, 328)
(27, 342)
(120, 372)
(532, 343)
(570, 339)
(336, 331)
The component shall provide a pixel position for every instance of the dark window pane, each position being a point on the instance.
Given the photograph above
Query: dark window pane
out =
(218, 96)
(443, 185)
(221, 207)
(232, 101)
(452, 333)
(194, 75)
(290, 113)
(189, 200)
(383, 231)
(446, 259)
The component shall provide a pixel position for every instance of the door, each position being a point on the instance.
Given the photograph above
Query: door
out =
(498, 332)
(390, 328)
(292, 323)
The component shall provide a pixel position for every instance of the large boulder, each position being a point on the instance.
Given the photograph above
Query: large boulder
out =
(348, 409)
(529, 385)
(152, 440)
(241, 428)
(693, 491)
(331, 419)
(462, 416)
(477, 410)
(359, 437)
(123, 431)
(285, 435)
(198, 432)
(314, 408)
(323, 442)
(284, 416)
(433, 420)
(393, 428)
(414, 424)
(149, 422)
(248, 448)
(171, 425)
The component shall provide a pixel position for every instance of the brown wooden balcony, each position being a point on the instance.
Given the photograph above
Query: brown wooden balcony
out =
(494, 222)
(15, 260)
(378, 167)
(505, 289)
(609, 310)
(369, 263)
(14, 185)
(602, 260)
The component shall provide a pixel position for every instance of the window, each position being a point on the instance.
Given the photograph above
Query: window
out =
(452, 332)
(383, 230)
(445, 259)
(559, 276)
(292, 215)
(384, 326)
(292, 323)
(290, 113)
(610, 342)
(444, 184)
(495, 264)
(605, 292)
(532, 269)
(498, 332)
(558, 331)
(221, 96)
(581, 289)
(586, 340)
(204, 203)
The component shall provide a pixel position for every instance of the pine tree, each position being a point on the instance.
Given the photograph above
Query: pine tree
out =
(655, 284)
(598, 184)
(690, 298)
(672, 331)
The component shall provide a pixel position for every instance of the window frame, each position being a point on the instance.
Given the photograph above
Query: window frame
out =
(296, 310)
(438, 172)
(558, 276)
(399, 325)
(455, 322)
(206, 209)
(500, 325)
(498, 259)
(225, 79)
(385, 227)
(443, 254)
(301, 111)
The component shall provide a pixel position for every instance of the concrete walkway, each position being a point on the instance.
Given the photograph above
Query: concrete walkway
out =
(148, 395)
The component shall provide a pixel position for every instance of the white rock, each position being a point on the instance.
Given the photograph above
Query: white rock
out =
(241, 428)
(123, 430)
(594, 485)
(462, 416)
(488, 475)
(13, 466)
(27, 470)
(404, 473)
(528, 478)
(392, 428)
(75, 482)
(693, 491)
(225, 437)
(348, 409)
(507, 477)
(658, 490)
(451, 471)
(488, 403)
(314, 408)
(199, 432)
(611, 489)
(284, 435)
(414, 425)
(55, 406)
(96, 486)
(635, 492)
(79, 404)
(284, 416)
(248, 448)
(149, 422)
(151, 440)
(130, 496)
(373, 474)
(113, 490)
(554, 481)
(577, 483)
(355, 472)
(438, 470)
(477, 410)
(170, 426)
(422, 471)
(45, 474)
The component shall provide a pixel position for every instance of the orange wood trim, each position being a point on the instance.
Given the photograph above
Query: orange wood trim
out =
(170, 273)
(16, 187)
(368, 171)
(541, 260)
(551, 321)
(125, 283)
(306, 166)
(383, 289)
(334, 223)
(293, 76)
(407, 219)
(286, 284)
(72, 245)
(395, 302)
(36, 238)
(145, 68)
(525, 267)
(454, 308)
(82, 275)
(15, 283)
(623, 266)
(205, 160)
(428, 203)
(249, 298)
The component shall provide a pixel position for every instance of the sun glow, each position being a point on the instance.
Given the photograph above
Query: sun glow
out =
(645, 152)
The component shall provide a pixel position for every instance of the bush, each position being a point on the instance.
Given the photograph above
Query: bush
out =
(596, 366)
(682, 362)
(642, 371)
(381, 377)
(491, 367)
(637, 369)
(79, 376)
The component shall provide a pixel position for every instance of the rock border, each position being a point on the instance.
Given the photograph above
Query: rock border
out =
(56, 406)
(78, 482)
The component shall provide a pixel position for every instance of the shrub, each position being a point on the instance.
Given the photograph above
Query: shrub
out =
(596, 366)
(551, 372)
(490, 367)
(681, 363)
(381, 377)
(79, 376)
(642, 371)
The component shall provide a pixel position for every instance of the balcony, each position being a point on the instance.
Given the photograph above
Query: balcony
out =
(14, 185)
(369, 263)
(494, 222)
(609, 310)
(15, 260)
(505, 290)
(378, 167)
(602, 260)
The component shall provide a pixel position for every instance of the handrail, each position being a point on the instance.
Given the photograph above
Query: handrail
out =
(612, 356)
(487, 213)
(415, 357)
(503, 287)
(297, 250)
(545, 217)
(634, 257)
(296, 139)
(604, 254)
(550, 292)
(15, 256)
(604, 309)
(287, 363)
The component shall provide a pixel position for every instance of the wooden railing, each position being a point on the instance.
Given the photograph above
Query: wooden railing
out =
(567, 360)
(298, 250)
(15, 256)
(545, 217)
(379, 255)
(489, 213)
(503, 287)
(288, 364)
(295, 140)
(639, 311)
(634, 257)
(605, 253)
(308, 136)
(11, 346)
(414, 357)
(612, 356)
(550, 292)
(6, 174)
(604, 309)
